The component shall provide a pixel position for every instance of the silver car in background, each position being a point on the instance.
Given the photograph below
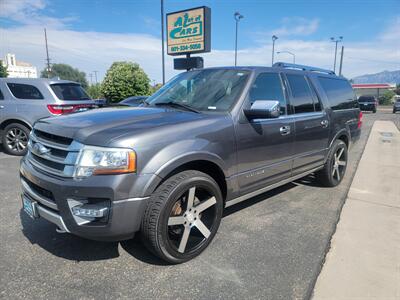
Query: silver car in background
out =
(23, 101)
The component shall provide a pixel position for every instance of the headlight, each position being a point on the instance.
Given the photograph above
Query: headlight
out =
(102, 161)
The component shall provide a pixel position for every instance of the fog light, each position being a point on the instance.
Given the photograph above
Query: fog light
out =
(90, 211)
(85, 212)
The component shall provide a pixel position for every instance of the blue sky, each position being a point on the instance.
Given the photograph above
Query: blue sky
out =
(91, 34)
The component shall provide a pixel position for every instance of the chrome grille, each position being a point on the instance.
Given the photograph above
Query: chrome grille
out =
(53, 154)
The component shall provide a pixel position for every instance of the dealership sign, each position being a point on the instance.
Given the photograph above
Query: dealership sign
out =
(189, 31)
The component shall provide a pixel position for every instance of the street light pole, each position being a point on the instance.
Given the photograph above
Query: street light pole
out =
(288, 52)
(162, 42)
(237, 16)
(274, 38)
(336, 41)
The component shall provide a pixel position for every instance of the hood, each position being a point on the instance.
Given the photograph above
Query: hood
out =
(98, 126)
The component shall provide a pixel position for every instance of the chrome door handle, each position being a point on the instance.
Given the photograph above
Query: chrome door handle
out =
(324, 123)
(284, 130)
(1, 106)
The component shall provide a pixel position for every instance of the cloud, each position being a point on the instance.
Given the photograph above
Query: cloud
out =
(96, 51)
(90, 51)
(296, 26)
(393, 32)
(31, 12)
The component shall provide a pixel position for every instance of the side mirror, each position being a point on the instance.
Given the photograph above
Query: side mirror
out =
(263, 109)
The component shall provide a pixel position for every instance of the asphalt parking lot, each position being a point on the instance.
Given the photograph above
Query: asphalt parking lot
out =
(270, 247)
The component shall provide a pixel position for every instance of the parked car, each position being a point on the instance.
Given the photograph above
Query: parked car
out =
(24, 100)
(133, 101)
(396, 105)
(368, 103)
(208, 139)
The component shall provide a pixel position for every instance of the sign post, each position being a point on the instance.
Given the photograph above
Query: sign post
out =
(189, 31)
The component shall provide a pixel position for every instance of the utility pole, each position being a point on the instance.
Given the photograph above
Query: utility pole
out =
(336, 41)
(237, 17)
(91, 78)
(95, 76)
(162, 42)
(274, 38)
(341, 61)
(47, 55)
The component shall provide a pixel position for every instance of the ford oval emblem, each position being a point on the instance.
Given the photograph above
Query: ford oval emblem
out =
(39, 149)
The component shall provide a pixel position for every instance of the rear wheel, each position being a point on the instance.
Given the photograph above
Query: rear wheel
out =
(374, 110)
(335, 167)
(182, 216)
(15, 139)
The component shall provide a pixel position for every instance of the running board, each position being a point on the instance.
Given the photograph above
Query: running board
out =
(270, 187)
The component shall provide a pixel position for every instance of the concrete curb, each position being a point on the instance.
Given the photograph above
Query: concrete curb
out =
(364, 258)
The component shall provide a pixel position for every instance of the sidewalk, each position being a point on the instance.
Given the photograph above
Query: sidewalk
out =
(364, 259)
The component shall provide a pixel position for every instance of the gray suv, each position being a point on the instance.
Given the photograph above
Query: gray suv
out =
(207, 140)
(25, 100)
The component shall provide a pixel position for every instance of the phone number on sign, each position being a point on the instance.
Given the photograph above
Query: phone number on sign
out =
(186, 48)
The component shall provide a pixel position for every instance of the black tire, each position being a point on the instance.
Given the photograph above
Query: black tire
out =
(374, 111)
(334, 170)
(15, 139)
(170, 204)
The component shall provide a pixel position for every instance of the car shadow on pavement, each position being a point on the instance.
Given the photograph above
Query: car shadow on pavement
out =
(262, 197)
(71, 247)
(67, 246)
(310, 180)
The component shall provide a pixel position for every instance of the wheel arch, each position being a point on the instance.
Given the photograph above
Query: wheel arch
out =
(342, 135)
(205, 163)
(7, 122)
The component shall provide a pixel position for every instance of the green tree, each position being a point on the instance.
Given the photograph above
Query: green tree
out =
(3, 70)
(66, 72)
(125, 79)
(94, 91)
(156, 87)
(397, 90)
(387, 97)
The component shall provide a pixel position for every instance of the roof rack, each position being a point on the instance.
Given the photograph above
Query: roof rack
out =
(302, 67)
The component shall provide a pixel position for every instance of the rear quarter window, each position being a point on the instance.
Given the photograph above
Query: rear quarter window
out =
(68, 91)
(339, 92)
(24, 91)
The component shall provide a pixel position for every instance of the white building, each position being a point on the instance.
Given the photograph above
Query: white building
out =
(19, 69)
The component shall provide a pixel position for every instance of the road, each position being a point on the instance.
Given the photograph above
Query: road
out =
(270, 247)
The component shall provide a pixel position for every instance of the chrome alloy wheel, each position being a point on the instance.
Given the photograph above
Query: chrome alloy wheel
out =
(192, 219)
(16, 139)
(339, 164)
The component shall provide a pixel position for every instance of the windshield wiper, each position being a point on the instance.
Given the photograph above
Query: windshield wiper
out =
(176, 104)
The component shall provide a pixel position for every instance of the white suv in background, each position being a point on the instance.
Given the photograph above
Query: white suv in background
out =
(25, 100)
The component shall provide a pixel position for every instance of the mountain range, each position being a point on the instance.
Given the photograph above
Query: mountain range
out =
(381, 77)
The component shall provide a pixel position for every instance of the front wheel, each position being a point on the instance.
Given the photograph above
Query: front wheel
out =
(15, 139)
(335, 167)
(182, 216)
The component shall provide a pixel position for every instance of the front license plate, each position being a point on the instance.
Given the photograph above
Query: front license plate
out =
(29, 207)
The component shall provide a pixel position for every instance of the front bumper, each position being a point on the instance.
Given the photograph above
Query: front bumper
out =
(52, 194)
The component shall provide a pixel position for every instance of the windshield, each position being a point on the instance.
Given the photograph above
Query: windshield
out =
(366, 99)
(69, 91)
(203, 90)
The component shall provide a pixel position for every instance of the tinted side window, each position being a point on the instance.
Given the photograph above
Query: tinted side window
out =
(302, 97)
(268, 86)
(317, 100)
(339, 93)
(1, 96)
(24, 91)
